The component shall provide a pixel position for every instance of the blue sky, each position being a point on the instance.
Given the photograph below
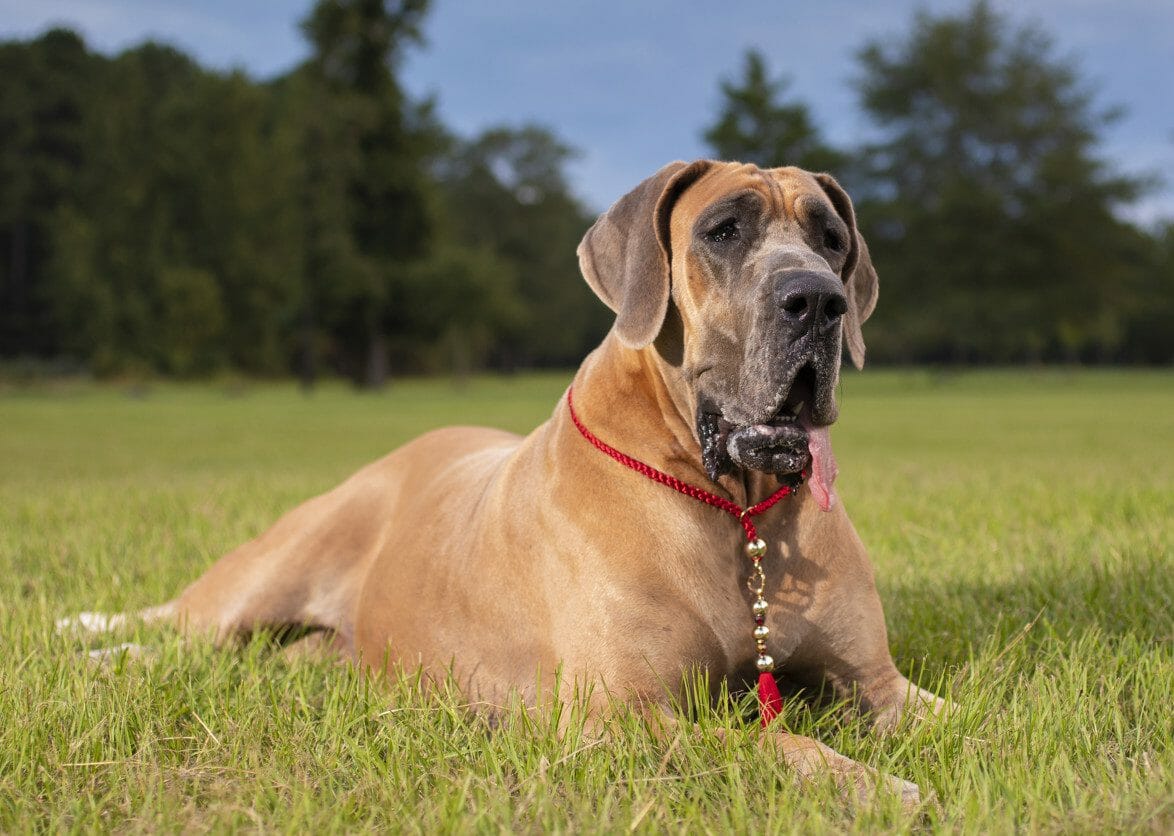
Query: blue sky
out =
(632, 84)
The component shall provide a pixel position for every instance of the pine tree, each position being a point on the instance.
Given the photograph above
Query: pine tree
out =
(756, 126)
(358, 45)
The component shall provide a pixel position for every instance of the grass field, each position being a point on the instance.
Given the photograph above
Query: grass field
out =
(1022, 526)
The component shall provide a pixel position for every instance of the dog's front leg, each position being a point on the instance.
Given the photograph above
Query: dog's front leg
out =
(851, 651)
(808, 760)
(898, 700)
(842, 623)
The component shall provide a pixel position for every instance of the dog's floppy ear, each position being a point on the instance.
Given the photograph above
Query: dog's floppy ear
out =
(626, 258)
(860, 280)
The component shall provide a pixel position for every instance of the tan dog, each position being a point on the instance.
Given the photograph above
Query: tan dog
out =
(504, 559)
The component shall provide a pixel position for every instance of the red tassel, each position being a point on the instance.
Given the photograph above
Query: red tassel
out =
(770, 701)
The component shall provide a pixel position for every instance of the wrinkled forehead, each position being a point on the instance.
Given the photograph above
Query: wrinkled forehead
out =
(782, 190)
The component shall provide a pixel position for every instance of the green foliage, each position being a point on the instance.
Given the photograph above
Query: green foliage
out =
(1146, 332)
(457, 303)
(160, 218)
(992, 219)
(178, 185)
(357, 44)
(1030, 588)
(755, 127)
(191, 319)
(505, 192)
(46, 89)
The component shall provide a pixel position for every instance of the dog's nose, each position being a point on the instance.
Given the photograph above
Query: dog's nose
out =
(810, 300)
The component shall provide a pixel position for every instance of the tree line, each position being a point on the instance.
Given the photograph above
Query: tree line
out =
(157, 217)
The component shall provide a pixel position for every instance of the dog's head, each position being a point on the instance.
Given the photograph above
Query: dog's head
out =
(748, 281)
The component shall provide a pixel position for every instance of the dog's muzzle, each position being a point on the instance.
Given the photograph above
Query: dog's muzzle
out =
(788, 434)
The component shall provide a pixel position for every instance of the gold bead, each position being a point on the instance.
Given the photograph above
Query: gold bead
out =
(760, 607)
(765, 663)
(761, 632)
(756, 548)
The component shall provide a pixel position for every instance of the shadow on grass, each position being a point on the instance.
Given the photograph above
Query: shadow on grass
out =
(934, 628)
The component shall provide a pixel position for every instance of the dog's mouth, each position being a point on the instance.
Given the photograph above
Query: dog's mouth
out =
(793, 440)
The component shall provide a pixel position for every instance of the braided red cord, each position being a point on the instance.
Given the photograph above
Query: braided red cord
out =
(743, 515)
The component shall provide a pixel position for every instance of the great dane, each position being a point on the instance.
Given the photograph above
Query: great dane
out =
(538, 565)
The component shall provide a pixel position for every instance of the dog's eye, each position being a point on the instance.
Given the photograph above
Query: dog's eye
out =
(725, 232)
(833, 241)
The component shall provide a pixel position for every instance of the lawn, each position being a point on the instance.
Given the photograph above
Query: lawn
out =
(1021, 524)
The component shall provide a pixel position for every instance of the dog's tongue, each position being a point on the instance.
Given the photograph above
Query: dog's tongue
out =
(823, 466)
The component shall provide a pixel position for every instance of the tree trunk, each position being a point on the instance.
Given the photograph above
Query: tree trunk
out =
(308, 361)
(460, 357)
(376, 374)
(17, 331)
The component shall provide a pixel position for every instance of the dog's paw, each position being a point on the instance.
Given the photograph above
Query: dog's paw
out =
(90, 622)
(856, 782)
(906, 792)
(907, 704)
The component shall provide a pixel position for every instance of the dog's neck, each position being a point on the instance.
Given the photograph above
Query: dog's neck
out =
(636, 401)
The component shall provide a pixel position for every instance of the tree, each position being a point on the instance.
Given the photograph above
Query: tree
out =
(44, 89)
(506, 192)
(991, 216)
(754, 126)
(357, 47)
(157, 217)
(127, 225)
(1149, 328)
(176, 251)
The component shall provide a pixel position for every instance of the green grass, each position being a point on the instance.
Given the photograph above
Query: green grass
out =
(1020, 524)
